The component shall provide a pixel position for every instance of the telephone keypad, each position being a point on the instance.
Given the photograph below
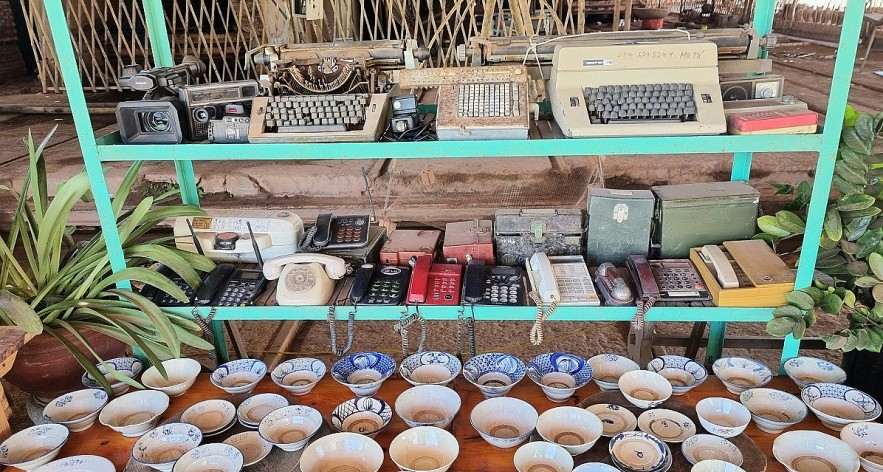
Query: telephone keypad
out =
(500, 289)
(349, 232)
(239, 292)
(168, 300)
(444, 290)
(678, 279)
(388, 289)
(575, 284)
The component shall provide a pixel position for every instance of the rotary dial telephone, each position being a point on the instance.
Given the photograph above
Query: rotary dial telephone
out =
(305, 279)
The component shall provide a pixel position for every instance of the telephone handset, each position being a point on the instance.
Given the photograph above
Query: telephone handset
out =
(613, 285)
(305, 279)
(434, 284)
(379, 285)
(645, 281)
(337, 232)
(542, 278)
(720, 265)
(226, 285)
(493, 285)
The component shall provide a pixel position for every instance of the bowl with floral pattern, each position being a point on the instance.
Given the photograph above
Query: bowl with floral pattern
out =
(32, 447)
(681, 372)
(291, 427)
(494, 373)
(239, 376)
(773, 410)
(214, 457)
(76, 410)
(866, 439)
(366, 415)
(839, 405)
(299, 376)
(809, 370)
(82, 463)
(430, 368)
(160, 447)
(126, 366)
(363, 373)
(559, 374)
(740, 373)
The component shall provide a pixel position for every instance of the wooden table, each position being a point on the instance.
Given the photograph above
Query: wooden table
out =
(475, 453)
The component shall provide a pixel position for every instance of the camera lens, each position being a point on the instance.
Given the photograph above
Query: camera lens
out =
(201, 115)
(155, 122)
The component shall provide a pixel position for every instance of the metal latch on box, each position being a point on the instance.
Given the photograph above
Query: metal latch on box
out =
(538, 228)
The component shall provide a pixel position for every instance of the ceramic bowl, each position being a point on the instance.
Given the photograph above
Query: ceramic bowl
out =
(866, 439)
(773, 410)
(504, 422)
(424, 448)
(740, 373)
(614, 418)
(84, 463)
(349, 452)
(644, 389)
(715, 465)
(181, 372)
(239, 376)
(210, 416)
(160, 447)
(812, 451)
(210, 458)
(298, 376)
(127, 366)
(574, 429)
(430, 368)
(668, 425)
(254, 409)
(253, 447)
(428, 405)
(636, 451)
(703, 447)
(559, 374)
(291, 427)
(809, 370)
(838, 405)
(363, 373)
(135, 413)
(366, 415)
(32, 447)
(608, 368)
(681, 372)
(722, 417)
(542, 456)
(494, 373)
(77, 410)
(595, 467)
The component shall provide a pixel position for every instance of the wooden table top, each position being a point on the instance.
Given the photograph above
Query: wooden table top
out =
(475, 453)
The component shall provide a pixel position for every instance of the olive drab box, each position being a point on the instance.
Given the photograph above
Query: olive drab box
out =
(519, 234)
(619, 224)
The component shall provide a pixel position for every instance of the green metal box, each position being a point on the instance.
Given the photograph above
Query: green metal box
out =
(619, 224)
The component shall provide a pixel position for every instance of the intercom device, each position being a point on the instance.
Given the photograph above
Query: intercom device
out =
(304, 278)
(208, 102)
(337, 232)
(493, 285)
(434, 284)
(749, 88)
(564, 279)
(519, 234)
(672, 280)
(403, 244)
(380, 285)
(229, 130)
(224, 234)
(613, 286)
(465, 240)
(744, 273)
(619, 223)
(162, 81)
(151, 121)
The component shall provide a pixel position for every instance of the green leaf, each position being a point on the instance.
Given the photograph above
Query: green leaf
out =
(857, 268)
(125, 188)
(866, 282)
(851, 138)
(851, 342)
(868, 243)
(831, 262)
(878, 123)
(863, 339)
(769, 224)
(769, 238)
(849, 299)
(876, 339)
(804, 192)
(810, 318)
(854, 159)
(790, 222)
(856, 228)
(864, 128)
(20, 313)
(877, 292)
(850, 116)
(835, 342)
(826, 243)
(875, 261)
(855, 202)
(849, 174)
(872, 211)
(833, 224)
(160, 320)
(788, 311)
(799, 329)
(831, 303)
(141, 274)
(780, 326)
(85, 362)
(800, 299)
(784, 189)
(845, 187)
(815, 293)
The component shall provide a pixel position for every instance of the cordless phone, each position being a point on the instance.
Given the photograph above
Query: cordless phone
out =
(380, 285)
(341, 232)
(667, 279)
(161, 298)
(493, 285)
(228, 285)
(435, 284)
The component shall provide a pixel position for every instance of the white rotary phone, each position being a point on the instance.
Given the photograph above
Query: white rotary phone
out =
(305, 279)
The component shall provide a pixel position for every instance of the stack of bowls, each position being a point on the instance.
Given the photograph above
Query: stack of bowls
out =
(127, 366)
(504, 422)
(239, 376)
(135, 413)
(559, 374)
(814, 451)
(253, 447)
(428, 405)
(740, 373)
(254, 409)
(494, 373)
(608, 368)
(366, 416)
(211, 416)
(181, 374)
(291, 427)
(77, 410)
(430, 368)
(363, 373)
(636, 451)
(681, 372)
(773, 410)
(160, 447)
(298, 376)
(32, 447)
(809, 370)
(838, 405)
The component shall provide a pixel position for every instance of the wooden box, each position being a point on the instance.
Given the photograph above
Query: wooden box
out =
(764, 279)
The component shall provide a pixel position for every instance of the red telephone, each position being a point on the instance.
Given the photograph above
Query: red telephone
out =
(435, 284)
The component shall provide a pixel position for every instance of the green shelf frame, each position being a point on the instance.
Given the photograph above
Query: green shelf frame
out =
(110, 149)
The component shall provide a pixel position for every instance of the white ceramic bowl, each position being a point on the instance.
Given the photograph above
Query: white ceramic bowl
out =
(644, 389)
(213, 457)
(363, 373)
(126, 366)
(838, 405)
(366, 415)
(160, 447)
(504, 422)
(430, 368)
(299, 376)
(32, 447)
(722, 417)
(574, 429)
(424, 448)
(542, 456)
(253, 447)
(428, 405)
(239, 376)
(84, 463)
(290, 428)
(715, 465)
(809, 370)
(494, 373)
(76, 410)
(812, 451)
(559, 374)
(866, 439)
(740, 373)
(608, 368)
(134, 413)
(681, 372)
(668, 425)
(595, 467)
(182, 372)
(342, 451)
(639, 451)
(773, 410)
(254, 409)
(614, 418)
(210, 416)
(703, 447)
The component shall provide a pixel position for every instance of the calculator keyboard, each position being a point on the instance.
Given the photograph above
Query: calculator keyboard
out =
(575, 284)
(502, 289)
(642, 103)
(487, 100)
(349, 232)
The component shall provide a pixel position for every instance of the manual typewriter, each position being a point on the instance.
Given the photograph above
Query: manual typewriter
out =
(660, 88)
(327, 92)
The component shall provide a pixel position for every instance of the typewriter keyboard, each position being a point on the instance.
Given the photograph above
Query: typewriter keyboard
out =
(315, 113)
(487, 100)
(658, 103)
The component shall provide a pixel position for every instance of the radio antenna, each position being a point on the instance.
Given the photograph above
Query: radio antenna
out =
(370, 198)
(195, 239)
(254, 245)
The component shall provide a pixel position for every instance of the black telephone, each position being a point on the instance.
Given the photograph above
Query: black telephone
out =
(338, 232)
(380, 285)
(667, 279)
(493, 285)
(226, 285)
(161, 298)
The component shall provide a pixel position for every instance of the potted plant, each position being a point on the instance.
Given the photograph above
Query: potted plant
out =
(850, 254)
(64, 292)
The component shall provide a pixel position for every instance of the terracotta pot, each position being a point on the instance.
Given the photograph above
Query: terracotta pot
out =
(46, 369)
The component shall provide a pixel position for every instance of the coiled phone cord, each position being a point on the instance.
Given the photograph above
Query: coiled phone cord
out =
(350, 328)
(203, 323)
(402, 325)
(306, 241)
(643, 307)
(467, 322)
(536, 332)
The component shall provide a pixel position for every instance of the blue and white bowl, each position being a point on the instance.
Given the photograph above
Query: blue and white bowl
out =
(215, 457)
(838, 405)
(239, 376)
(494, 373)
(637, 451)
(608, 368)
(866, 439)
(363, 373)
(32, 447)
(254, 409)
(428, 405)
(504, 422)
(559, 374)
(809, 370)
(740, 373)
(77, 410)
(705, 447)
(430, 368)
(773, 410)
(298, 376)
(291, 427)
(127, 366)
(83, 463)
(160, 447)
(681, 372)
(365, 416)
(595, 467)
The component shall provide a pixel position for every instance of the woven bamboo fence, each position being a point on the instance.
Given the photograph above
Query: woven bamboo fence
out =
(820, 20)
